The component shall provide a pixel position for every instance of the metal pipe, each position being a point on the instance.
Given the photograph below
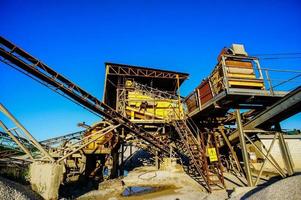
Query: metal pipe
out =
(244, 149)
(270, 82)
(258, 68)
(32, 139)
(16, 140)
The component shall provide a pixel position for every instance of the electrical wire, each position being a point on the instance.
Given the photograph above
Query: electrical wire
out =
(273, 56)
(277, 54)
(279, 58)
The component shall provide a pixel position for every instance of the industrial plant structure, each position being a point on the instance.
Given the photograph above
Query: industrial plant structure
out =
(216, 128)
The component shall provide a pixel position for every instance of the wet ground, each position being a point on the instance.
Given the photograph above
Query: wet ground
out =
(173, 184)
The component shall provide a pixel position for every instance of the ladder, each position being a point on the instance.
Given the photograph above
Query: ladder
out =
(209, 175)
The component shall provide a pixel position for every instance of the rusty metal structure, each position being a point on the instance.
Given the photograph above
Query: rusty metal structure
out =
(143, 107)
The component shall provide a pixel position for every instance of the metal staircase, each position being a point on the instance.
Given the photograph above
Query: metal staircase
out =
(209, 175)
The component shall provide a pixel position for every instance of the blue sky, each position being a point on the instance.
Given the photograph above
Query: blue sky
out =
(77, 37)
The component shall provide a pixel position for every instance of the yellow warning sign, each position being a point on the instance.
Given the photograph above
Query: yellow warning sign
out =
(212, 154)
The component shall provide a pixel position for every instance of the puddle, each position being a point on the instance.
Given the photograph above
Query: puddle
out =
(140, 190)
(137, 190)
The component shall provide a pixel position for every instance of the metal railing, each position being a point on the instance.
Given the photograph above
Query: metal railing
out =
(275, 82)
(281, 80)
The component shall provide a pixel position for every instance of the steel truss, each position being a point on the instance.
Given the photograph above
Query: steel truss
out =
(21, 60)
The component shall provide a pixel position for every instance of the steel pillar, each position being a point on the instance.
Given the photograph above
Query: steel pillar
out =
(244, 149)
(285, 155)
(285, 151)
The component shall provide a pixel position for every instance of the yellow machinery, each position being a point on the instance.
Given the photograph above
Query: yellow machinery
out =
(142, 104)
(102, 145)
(236, 69)
(234, 79)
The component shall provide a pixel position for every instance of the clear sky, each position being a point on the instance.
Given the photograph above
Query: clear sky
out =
(76, 37)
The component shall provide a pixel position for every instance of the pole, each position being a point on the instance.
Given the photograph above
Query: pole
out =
(179, 96)
(285, 155)
(244, 149)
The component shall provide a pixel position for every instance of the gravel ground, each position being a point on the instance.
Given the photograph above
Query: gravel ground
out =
(11, 190)
(288, 189)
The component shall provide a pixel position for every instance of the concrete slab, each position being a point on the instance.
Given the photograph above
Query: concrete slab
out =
(45, 179)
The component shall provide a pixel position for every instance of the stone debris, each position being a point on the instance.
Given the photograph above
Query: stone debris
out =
(288, 188)
(11, 190)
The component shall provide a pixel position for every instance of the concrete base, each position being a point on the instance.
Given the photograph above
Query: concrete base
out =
(45, 179)
(170, 164)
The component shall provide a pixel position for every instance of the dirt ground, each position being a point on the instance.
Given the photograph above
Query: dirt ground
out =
(170, 184)
(176, 185)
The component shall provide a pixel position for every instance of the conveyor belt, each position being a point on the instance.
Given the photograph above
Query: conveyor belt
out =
(21, 60)
(60, 139)
(7, 143)
(286, 107)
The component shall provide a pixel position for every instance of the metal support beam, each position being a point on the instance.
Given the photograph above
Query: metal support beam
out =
(265, 160)
(26, 132)
(270, 158)
(157, 160)
(85, 144)
(244, 149)
(282, 109)
(16, 140)
(285, 155)
(221, 130)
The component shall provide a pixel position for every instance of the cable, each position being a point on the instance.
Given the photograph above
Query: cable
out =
(277, 54)
(279, 58)
(272, 56)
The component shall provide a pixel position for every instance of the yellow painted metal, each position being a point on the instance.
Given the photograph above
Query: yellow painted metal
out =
(217, 80)
(128, 83)
(239, 77)
(143, 106)
(212, 154)
(258, 84)
(235, 75)
(98, 145)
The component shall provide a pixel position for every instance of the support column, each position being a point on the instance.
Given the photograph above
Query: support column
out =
(221, 130)
(121, 171)
(157, 160)
(285, 151)
(244, 148)
(285, 155)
